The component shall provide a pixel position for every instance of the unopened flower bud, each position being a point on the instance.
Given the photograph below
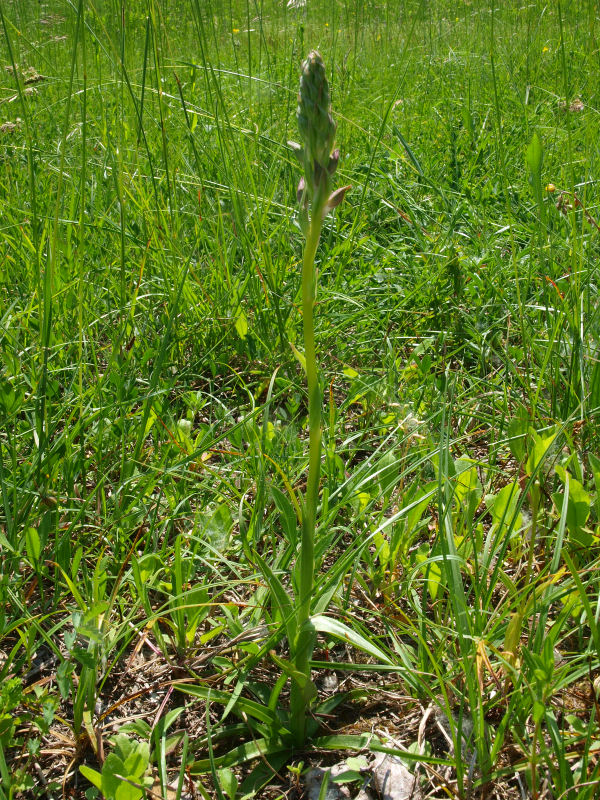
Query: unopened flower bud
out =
(316, 127)
(317, 131)
(300, 191)
(333, 162)
(335, 198)
(298, 151)
(315, 122)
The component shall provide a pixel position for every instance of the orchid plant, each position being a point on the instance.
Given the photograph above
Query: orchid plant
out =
(316, 199)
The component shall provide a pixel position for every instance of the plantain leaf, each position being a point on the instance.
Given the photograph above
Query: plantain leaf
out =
(578, 511)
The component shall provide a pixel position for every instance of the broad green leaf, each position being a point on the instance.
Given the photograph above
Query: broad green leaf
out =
(217, 527)
(359, 399)
(534, 157)
(517, 431)
(388, 470)
(150, 420)
(134, 755)
(7, 396)
(382, 549)
(538, 711)
(595, 467)
(92, 775)
(270, 431)
(502, 505)
(357, 763)
(197, 605)
(513, 634)
(125, 766)
(434, 578)
(348, 776)
(5, 544)
(539, 449)
(534, 154)
(421, 499)
(467, 491)
(33, 545)
(241, 324)
(364, 498)
(578, 510)
(228, 781)
(572, 603)
(431, 570)
(466, 477)
(113, 772)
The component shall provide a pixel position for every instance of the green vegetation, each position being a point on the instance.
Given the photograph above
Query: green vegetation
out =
(156, 499)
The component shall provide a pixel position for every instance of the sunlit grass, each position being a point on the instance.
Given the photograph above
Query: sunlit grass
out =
(154, 415)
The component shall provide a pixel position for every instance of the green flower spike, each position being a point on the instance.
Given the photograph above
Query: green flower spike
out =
(317, 130)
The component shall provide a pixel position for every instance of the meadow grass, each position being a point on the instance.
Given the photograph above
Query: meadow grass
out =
(154, 415)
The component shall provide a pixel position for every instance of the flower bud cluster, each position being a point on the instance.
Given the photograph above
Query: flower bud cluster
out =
(317, 131)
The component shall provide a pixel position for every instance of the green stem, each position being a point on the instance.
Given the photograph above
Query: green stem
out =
(535, 503)
(304, 644)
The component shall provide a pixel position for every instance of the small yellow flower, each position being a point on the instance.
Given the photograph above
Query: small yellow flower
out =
(326, 24)
(550, 187)
(545, 49)
(236, 30)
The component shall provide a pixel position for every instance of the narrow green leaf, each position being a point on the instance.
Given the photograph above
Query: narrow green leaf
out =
(413, 159)
(281, 597)
(249, 707)
(299, 356)
(338, 630)
(259, 748)
(308, 687)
